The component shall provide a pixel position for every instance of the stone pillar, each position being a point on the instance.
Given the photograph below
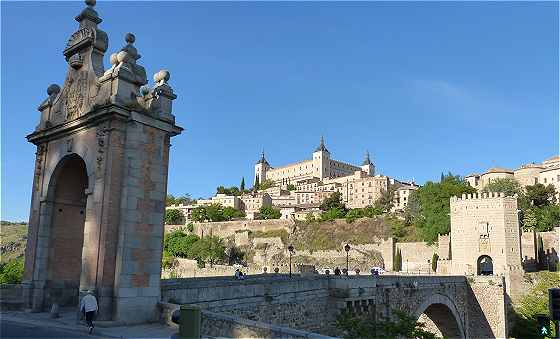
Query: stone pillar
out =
(118, 129)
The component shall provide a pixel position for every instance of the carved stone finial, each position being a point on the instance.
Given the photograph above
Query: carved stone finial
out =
(53, 89)
(162, 77)
(129, 48)
(144, 90)
(91, 3)
(129, 38)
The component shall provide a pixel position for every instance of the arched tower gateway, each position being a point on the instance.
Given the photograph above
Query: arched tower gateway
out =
(321, 161)
(485, 236)
(96, 219)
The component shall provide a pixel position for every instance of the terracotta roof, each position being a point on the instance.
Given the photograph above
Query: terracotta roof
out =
(499, 170)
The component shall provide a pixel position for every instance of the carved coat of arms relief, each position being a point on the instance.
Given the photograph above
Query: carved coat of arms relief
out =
(76, 94)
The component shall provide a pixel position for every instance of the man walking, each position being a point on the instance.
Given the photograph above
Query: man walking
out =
(89, 307)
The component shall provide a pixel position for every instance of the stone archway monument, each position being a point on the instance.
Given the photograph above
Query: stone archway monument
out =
(100, 181)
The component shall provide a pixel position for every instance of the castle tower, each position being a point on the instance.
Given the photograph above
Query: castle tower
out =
(367, 165)
(261, 167)
(100, 181)
(321, 161)
(485, 235)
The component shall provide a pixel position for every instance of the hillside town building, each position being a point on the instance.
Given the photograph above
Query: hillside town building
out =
(547, 172)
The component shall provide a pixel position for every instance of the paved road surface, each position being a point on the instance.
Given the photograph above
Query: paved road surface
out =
(10, 329)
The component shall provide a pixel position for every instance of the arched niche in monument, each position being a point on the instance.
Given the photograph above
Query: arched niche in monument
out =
(100, 181)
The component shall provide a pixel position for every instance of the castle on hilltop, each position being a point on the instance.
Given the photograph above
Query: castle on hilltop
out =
(321, 166)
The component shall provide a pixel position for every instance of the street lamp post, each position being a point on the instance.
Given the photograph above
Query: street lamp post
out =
(347, 249)
(291, 250)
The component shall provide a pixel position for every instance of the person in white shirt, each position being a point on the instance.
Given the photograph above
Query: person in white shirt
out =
(89, 307)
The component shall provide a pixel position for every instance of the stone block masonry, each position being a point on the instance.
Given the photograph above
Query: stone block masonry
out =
(100, 181)
(312, 303)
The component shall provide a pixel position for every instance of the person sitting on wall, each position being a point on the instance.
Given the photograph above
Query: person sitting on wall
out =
(241, 276)
(336, 271)
(237, 274)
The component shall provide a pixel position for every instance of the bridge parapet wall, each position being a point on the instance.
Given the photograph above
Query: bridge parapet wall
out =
(313, 303)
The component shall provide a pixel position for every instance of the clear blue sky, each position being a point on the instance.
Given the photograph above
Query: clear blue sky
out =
(425, 87)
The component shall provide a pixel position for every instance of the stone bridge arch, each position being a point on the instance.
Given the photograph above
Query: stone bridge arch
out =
(441, 316)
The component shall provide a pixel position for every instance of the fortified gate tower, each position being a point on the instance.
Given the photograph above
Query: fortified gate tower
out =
(100, 182)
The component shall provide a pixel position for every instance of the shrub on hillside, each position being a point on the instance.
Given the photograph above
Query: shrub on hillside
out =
(354, 214)
(533, 303)
(11, 272)
(178, 243)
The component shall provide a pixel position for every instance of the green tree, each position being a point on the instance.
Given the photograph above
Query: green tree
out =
(540, 195)
(433, 199)
(174, 217)
(548, 217)
(530, 220)
(291, 187)
(412, 210)
(508, 186)
(269, 212)
(215, 212)
(190, 227)
(256, 184)
(435, 259)
(333, 201)
(332, 214)
(209, 249)
(228, 190)
(397, 261)
(230, 213)
(387, 198)
(12, 271)
(242, 185)
(184, 199)
(170, 200)
(371, 211)
(199, 214)
(400, 325)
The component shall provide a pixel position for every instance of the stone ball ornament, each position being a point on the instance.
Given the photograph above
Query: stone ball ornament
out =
(90, 3)
(113, 59)
(53, 89)
(129, 38)
(122, 56)
(162, 76)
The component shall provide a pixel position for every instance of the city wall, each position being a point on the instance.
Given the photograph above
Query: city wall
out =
(530, 245)
(224, 229)
(416, 256)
